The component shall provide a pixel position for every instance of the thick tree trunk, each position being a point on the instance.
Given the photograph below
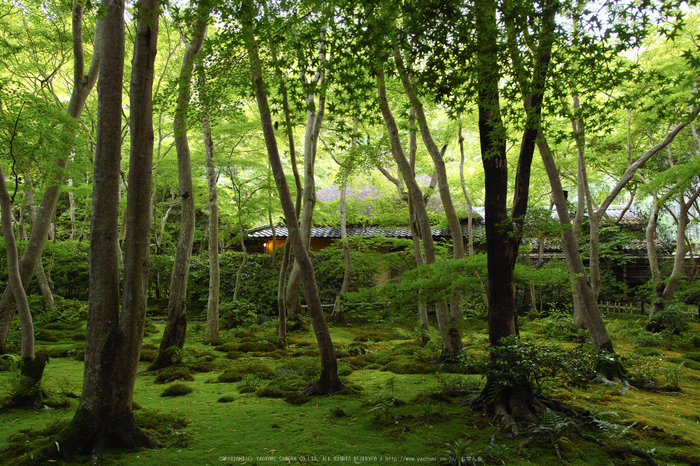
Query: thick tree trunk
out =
(504, 232)
(213, 246)
(176, 326)
(82, 85)
(104, 417)
(329, 381)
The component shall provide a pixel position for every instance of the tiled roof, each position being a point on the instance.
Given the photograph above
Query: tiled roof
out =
(334, 232)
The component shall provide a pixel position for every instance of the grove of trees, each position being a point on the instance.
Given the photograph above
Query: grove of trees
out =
(157, 133)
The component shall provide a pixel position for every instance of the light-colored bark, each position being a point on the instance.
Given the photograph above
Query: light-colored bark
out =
(82, 85)
(329, 380)
(213, 225)
(594, 321)
(15, 282)
(450, 324)
(314, 119)
(41, 278)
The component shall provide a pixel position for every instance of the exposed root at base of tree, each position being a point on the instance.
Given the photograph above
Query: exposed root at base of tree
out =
(324, 386)
(86, 435)
(29, 393)
(554, 418)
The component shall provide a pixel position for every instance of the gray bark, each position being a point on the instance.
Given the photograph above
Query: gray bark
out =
(214, 271)
(176, 326)
(329, 381)
(82, 85)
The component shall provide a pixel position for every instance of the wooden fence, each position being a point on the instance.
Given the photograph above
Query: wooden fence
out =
(638, 307)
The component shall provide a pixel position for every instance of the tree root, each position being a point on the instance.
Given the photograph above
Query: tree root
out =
(324, 386)
(509, 411)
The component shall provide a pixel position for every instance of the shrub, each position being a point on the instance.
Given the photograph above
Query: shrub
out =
(241, 313)
(670, 320)
(517, 360)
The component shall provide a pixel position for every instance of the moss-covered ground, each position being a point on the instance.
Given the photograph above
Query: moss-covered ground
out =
(235, 402)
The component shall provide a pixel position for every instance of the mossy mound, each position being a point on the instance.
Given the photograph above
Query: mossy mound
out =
(226, 399)
(173, 373)
(45, 335)
(202, 366)
(64, 351)
(297, 399)
(409, 367)
(177, 389)
(270, 393)
(229, 376)
(218, 341)
(149, 352)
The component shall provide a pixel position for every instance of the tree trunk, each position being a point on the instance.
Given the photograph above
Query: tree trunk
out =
(29, 391)
(104, 417)
(594, 321)
(347, 260)
(314, 118)
(82, 85)
(176, 326)
(414, 190)
(329, 381)
(450, 324)
(213, 246)
(241, 233)
(281, 288)
(504, 232)
(656, 277)
(41, 278)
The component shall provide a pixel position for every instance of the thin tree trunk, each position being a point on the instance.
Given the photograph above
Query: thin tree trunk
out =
(347, 260)
(413, 189)
(594, 321)
(450, 324)
(415, 228)
(314, 118)
(29, 391)
(82, 85)
(41, 279)
(176, 326)
(329, 380)
(104, 418)
(213, 246)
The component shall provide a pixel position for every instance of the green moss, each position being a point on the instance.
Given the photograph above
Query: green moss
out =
(692, 458)
(409, 367)
(230, 376)
(45, 335)
(297, 399)
(270, 393)
(173, 373)
(177, 389)
(216, 341)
